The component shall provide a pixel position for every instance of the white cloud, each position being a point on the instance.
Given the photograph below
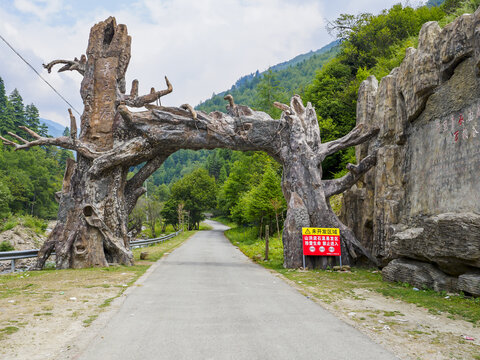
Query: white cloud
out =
(40, 8)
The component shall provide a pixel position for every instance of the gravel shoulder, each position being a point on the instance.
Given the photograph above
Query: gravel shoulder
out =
(409, 331)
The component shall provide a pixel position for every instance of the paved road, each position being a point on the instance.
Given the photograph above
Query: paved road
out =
(206, 300)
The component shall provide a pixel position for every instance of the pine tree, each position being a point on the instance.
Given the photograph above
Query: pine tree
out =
(269, 91)
(6, 122)
(43, 130)
(18, 109)
(32, 117)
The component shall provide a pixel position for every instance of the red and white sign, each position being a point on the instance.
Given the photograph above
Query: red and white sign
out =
(321, 241)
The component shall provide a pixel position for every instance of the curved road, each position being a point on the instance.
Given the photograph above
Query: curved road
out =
(206, 300)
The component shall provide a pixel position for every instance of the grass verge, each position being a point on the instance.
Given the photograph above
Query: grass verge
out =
(329, 286)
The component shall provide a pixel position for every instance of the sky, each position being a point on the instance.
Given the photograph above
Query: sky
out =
(203, 46)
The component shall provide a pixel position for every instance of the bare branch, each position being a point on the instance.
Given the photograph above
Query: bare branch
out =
(190, 109)
(281, 106)
(134, 91)
(31, 132)
(62, 141)
(17, 137)
(353, 138)
(144, 173)
(134, 188)
(134, 100)
(229, 98)
(8, 142)
(78, 65)
(132, 199)
(73, 125)
(337, 186)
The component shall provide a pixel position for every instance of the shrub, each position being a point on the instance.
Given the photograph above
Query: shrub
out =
(6, 246)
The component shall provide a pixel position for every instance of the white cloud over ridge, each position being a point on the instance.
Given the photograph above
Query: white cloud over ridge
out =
(202, 46)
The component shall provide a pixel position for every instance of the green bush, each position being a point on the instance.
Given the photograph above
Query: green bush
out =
(36, 224)
(9, 224)
(6, 246)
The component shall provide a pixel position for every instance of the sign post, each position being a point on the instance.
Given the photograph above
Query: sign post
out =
(321, 242)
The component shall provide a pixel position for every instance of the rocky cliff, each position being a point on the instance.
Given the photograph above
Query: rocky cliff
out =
(418, 210)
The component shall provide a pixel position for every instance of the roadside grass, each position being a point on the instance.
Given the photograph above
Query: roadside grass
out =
(155, 252)
(225, 221)
(247, 241)
(329, 286)
(204, 226)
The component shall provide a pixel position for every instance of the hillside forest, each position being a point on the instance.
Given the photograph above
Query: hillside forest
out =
(243, 187)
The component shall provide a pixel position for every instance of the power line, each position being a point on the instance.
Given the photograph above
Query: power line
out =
(39, 75)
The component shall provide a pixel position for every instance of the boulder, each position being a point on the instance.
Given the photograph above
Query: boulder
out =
(419, 274)
(469, 283)
(452, 241)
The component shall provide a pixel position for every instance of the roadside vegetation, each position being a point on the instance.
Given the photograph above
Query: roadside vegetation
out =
(329, 286)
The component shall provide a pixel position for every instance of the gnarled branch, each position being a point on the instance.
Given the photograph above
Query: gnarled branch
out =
(133, 100)
(78, 65)
(337, 186)
(133, 188)
(62, 141)
(354, 137)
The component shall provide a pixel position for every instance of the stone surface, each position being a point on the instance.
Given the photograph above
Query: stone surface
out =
(421, 201)
(469, 283)
(419, 274)
(452, 241)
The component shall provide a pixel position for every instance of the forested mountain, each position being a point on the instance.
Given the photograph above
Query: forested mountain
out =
(54, 129)
(281, 81)
(28, 178)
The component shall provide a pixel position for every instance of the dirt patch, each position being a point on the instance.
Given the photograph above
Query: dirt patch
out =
(45, 314)
(43, 311)
(409, 331)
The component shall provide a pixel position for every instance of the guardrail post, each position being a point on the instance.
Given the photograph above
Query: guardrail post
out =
(13, 265)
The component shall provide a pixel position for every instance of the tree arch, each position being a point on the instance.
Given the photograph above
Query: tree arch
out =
(96, 197)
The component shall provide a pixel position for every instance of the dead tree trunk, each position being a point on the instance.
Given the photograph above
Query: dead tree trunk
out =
(96, 197)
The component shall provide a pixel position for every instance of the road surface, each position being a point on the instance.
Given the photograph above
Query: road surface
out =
(206, 300)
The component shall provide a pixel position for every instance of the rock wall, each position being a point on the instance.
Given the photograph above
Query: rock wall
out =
(420, 206)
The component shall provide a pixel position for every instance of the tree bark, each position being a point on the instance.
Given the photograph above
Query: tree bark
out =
(96, 197)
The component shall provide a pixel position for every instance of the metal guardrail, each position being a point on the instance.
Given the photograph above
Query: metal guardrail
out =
(145, 242)
(27, 254)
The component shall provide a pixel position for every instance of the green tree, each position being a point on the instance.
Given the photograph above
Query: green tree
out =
(5, 198)
(16, 101)
(269, 91)
(266, 200)
(197, 191)
(169, 213)
(153, 210)
(161, 192)
(32, 117)
(245, 173)
(6, 111)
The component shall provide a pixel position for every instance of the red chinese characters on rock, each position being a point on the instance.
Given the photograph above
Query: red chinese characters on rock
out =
(321, 241)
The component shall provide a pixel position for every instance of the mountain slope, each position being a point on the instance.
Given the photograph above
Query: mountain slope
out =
(54, 129)
(292, 77)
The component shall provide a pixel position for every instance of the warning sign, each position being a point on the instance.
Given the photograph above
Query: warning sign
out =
(321, 241)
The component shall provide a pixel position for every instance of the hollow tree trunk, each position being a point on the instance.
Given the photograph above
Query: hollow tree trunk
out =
(96, 197)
